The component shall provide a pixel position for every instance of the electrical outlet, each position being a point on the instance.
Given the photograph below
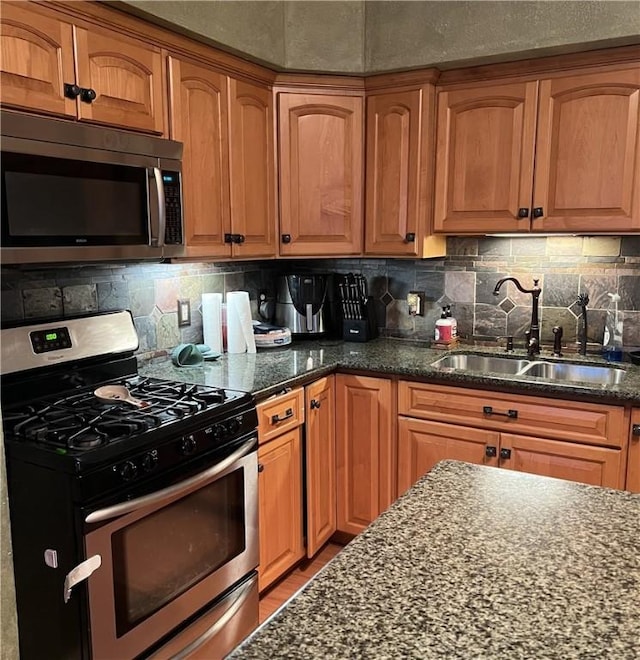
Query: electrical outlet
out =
(415, 301)
(184, 312)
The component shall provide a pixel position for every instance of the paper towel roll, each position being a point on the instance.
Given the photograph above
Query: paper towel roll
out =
(212, 321)
(239, 325)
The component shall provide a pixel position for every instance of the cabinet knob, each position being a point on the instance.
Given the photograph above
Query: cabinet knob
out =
(410, 237)
(490, 451)
(286, 238)
(88, 95)
(538, 212)
(71, 91)
(239, 238)
(635, 430)
(523, 213)
(315, 404)
(228, 238)
(505, 454)
(260, 467)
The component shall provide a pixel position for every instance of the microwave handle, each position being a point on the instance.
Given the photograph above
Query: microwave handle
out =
(157, 208)
(167, 493)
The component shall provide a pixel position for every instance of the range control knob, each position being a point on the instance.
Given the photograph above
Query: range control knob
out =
(149, 461)
(188, 445)
(233, 425)
(219, 431)
(128, 471)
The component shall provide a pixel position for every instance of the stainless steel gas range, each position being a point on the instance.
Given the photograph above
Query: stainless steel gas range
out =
(134, 525)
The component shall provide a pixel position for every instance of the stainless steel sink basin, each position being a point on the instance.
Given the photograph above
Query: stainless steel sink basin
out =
(574, 373)
(480, 364)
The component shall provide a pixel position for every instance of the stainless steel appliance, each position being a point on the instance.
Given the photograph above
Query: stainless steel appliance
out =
(134, 527)
(72, 192)
(302, 303)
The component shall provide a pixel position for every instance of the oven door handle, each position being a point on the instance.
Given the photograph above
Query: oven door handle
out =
(167, 493)
(234, 607)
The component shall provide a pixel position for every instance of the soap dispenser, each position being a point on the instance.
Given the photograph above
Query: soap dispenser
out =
(444, 328)
(612, 341)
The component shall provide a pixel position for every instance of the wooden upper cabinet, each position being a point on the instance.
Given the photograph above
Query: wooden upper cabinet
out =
(198, 101)
(37, 60)
(399, 155)
(484, 158)
(321, 174)
(252, 170)
(587, 173)
(126, 76)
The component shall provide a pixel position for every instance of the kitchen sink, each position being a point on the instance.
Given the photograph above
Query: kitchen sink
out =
(557, 372)
(574, 373)
(480, 364)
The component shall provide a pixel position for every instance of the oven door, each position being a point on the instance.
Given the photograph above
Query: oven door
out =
(168, 554)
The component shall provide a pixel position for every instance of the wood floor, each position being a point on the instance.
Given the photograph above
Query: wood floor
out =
(271, 599)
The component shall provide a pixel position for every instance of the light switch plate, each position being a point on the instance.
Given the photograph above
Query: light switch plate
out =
(415, 301)
(184, 312)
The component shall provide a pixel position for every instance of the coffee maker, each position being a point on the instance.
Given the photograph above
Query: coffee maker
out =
(302, 303)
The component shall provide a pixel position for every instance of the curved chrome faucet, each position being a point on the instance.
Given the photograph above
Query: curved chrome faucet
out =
(533, 333)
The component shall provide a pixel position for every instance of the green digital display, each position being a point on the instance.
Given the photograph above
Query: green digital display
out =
(51, 336)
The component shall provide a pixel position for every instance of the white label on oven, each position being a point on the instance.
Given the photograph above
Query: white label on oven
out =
(80, 573)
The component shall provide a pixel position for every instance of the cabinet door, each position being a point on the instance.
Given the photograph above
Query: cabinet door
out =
(422, 444)
(252, 168)
(484, 158)
(127, 77)
(321, 165)
(633, 464)
(396, 205)
(587, 175)
(597, 466)
(280, 502)
(199, 120)
(365, 456)
(37, 60)
(320, 439)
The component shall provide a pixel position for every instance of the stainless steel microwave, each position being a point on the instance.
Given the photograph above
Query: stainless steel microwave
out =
(79, 193)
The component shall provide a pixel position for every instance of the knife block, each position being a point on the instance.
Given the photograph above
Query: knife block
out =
(361, 329)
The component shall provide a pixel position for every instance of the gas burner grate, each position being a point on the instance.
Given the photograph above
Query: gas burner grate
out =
(80, 421)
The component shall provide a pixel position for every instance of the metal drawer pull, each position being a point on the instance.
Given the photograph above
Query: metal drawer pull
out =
(490, 451)
(314, 404)
(276, 419)
(505, 453)
(635, 430)
(232, 608)
(488, 410)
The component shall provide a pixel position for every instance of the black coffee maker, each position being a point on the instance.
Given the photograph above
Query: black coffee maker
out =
(302, 303)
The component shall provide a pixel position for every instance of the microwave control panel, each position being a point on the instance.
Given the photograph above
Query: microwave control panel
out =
(173, 207)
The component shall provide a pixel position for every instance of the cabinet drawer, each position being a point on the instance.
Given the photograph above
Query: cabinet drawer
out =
(589, 423)
(279, 414)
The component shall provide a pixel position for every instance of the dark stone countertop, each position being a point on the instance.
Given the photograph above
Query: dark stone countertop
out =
(475, 562)
(270, 370)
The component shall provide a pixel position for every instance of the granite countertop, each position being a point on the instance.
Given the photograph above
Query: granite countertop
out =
(475, 562)
(270, 370)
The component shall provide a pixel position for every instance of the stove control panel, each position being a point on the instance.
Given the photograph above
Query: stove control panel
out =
(51, 339)
(172, 452)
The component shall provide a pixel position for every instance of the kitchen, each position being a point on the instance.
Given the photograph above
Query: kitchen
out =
(568, 264)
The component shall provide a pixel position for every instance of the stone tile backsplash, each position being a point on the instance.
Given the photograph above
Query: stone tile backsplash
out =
(465, 279)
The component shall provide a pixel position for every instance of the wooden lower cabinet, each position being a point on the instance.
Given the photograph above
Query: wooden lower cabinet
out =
(564, 439)
(633, 464)
(366, 450)
(320, 463)
(280, 506)
(422, 444)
